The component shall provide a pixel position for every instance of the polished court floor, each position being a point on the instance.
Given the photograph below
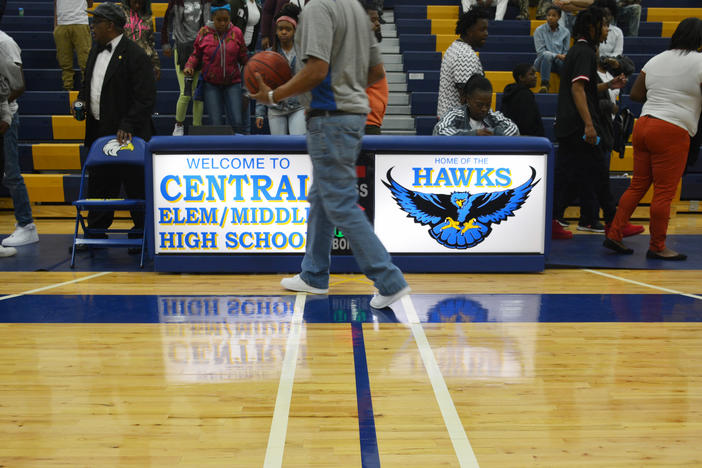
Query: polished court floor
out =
(571, 367)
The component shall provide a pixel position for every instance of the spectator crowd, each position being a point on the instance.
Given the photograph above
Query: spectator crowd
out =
(579, 55)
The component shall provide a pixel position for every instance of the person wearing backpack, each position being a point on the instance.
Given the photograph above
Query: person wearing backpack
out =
(608, 107)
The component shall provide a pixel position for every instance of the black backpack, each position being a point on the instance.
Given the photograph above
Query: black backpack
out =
(695, 143)
(622, 126)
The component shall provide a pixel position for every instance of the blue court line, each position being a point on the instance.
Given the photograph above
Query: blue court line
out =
(431, 308)
(366, 421)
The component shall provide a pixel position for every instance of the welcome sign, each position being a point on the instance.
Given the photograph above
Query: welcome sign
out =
(231, 203)
(460, 203)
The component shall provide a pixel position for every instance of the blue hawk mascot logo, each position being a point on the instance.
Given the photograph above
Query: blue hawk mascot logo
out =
(460, 220)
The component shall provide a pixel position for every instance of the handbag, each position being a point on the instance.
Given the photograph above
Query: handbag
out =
(622, 126)
(695, 143)
(185, 50)
(197, 93)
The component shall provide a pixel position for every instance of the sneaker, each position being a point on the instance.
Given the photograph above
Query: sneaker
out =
(563, 222)
(178, 130)
(298, 284)
(557, 231)
(543, 90)
(23, 235)
(628, 230)
(7, 251)
(380, 302)
(596, 227)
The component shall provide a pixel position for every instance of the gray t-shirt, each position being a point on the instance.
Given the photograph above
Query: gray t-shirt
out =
(339, 32)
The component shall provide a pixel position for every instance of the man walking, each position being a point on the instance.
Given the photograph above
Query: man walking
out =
(25, 229)
(342, 58)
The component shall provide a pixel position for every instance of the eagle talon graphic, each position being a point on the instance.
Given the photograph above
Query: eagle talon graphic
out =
(469, 225)
(451, 224)
(460, 220)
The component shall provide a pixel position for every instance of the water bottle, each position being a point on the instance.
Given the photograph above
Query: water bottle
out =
(20, 12)
(79, 110)
(188, 86)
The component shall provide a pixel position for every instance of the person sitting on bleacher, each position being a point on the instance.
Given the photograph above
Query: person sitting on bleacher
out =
(613, 45)
(500, 5)
(629, 15)
(475, 117)
(519, 103)
(551, 41)
(460, 61)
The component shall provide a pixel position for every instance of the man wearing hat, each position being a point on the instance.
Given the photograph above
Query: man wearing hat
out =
(118, 93)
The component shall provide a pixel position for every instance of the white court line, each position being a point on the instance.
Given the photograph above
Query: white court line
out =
(279, 425)
(660, 288)
(459, 439)
(65, 283)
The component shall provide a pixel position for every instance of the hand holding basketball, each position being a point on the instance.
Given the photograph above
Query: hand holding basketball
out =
(273, 68)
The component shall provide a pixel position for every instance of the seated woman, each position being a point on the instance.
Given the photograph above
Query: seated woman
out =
(475, 116)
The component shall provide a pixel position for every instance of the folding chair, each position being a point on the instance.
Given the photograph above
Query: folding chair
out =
(107, 151)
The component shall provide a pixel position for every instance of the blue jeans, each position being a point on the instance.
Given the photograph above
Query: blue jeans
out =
(334, 143)
(13, 179)
(545, 65)
(215, 96)
(567, 20)
(629, 18)
(288, 124)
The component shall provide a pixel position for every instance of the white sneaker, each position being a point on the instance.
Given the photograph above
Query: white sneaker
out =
(298, 284)
(7, 251)
(179, 130)
(22, 236)
(380, 302)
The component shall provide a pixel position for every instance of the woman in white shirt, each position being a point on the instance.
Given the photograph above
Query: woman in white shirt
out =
(670, 86)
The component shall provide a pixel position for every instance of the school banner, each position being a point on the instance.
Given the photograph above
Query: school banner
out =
(460, 203)
(231, 203)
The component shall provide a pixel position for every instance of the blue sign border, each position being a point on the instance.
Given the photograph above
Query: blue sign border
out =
(415, 263)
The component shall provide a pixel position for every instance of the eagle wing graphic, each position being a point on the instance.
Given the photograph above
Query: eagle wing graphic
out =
(425, 208)
(498, 206)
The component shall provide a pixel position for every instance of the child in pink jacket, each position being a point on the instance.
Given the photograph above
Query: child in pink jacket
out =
(219, 51)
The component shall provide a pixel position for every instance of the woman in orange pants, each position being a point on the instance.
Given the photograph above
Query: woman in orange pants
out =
(670, 85)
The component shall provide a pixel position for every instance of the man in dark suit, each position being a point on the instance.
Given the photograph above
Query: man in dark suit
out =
(118, 95)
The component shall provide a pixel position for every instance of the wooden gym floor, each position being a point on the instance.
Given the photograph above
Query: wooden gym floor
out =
(559, 369)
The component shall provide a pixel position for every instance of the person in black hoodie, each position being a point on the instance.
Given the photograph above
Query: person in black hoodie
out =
(519, 103)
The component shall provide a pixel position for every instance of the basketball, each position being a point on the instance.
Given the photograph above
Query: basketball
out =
(272, 66)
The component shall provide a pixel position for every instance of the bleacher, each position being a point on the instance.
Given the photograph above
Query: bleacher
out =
(426, 31)
(51, 140)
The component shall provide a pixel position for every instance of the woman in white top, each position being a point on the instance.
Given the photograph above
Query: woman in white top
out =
(670, 86)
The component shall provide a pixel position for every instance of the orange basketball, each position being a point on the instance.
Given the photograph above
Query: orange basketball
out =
(272, 66)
